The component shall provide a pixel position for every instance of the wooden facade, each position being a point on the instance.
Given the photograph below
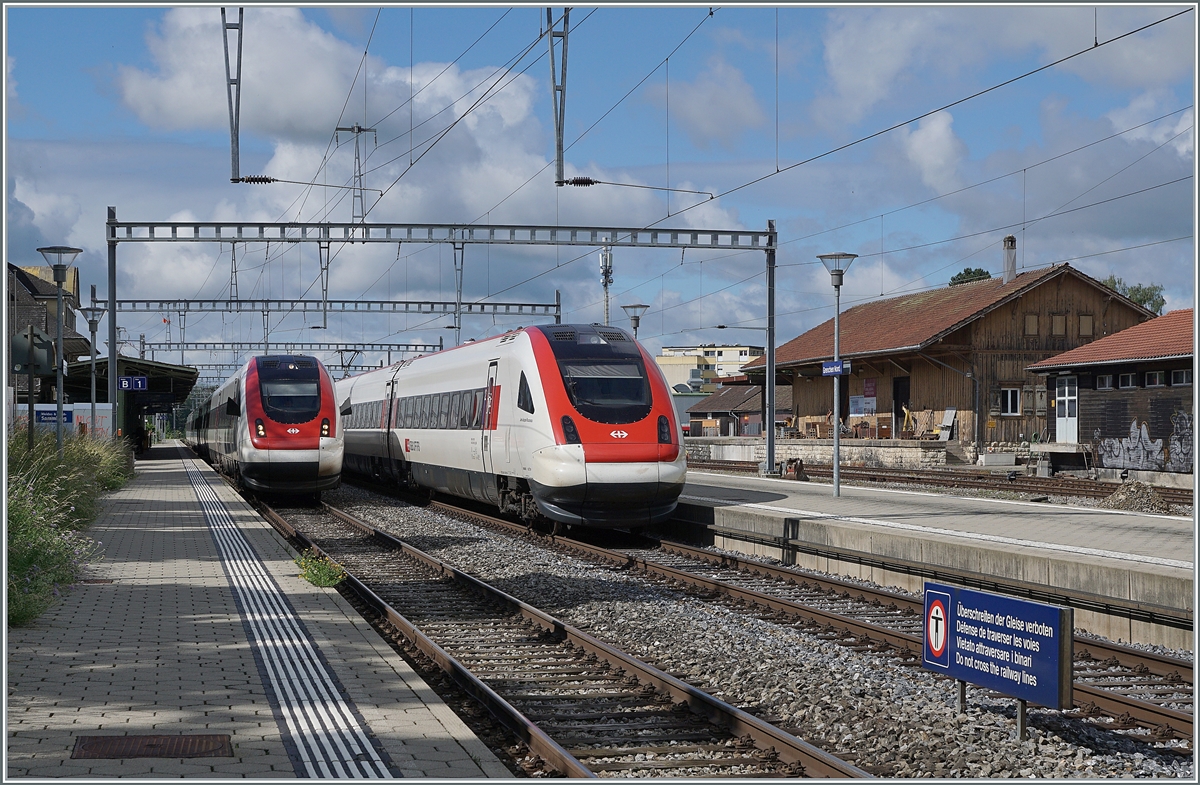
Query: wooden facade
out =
(997, 331)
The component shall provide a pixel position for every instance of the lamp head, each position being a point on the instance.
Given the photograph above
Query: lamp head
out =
(837, 264)
(59, 257)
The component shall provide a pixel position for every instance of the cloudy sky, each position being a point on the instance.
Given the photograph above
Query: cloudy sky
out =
(830, 121)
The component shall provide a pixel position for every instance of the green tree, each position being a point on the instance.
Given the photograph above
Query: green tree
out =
(970, 274)
(1149, 296)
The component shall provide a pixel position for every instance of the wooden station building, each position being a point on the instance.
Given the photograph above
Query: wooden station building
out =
(957, 355)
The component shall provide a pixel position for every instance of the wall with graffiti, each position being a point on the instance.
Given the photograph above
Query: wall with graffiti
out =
(1139, 451)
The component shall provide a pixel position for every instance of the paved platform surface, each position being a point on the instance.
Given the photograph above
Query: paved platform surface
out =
(1162, 540)
(164, 649)
(1146, 563)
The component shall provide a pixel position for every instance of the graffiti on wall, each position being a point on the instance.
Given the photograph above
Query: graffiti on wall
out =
(1179, 458)
(1139, 451)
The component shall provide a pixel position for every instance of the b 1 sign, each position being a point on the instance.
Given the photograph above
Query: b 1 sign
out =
(1016, 647)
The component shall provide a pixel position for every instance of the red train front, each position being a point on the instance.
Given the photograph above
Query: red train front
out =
(274, 425)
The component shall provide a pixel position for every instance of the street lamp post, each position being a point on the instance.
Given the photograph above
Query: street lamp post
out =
(635, 312)
(837, 264)
(93, 314)
(54, 256)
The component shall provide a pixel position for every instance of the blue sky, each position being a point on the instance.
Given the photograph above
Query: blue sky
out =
(126, 107)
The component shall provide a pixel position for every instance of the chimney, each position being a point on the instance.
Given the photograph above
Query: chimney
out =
(1010, 258)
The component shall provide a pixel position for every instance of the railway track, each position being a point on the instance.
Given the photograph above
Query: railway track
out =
(584, 708)
(1130, 687)
(960, 478)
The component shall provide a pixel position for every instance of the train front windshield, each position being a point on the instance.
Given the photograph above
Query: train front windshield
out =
(291, 400)
(612, 391)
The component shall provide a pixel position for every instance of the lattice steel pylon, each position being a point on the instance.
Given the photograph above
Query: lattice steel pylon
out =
(358, 204)
(233, 290)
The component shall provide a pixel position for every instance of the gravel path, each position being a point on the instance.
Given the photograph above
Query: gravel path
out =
(900, 721)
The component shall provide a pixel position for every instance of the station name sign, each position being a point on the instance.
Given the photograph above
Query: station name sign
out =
(835, 368)
(1015, 647)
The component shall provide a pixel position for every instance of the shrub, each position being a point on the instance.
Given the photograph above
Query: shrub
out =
(320, 570)
(50, 500)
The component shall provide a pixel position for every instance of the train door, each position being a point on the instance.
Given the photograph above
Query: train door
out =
(491, 402)
(395, 456)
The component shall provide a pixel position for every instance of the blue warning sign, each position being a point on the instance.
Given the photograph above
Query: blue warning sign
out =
(1015, 647)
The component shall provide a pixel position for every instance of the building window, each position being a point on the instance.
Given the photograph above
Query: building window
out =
(1058, 324)
(1085, 325)
(1155, 378)
(1181, 377)
(1128, 381)
(1010, 401)
(1031, 324)
(1104, 381)
(710, 354)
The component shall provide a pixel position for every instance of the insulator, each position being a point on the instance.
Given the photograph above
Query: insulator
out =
(257, 179)
(582, 181)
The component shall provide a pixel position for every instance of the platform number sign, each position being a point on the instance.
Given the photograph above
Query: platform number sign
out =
(937, 633)
(133, 383)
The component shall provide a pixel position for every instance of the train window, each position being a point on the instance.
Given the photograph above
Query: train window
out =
(477, 410)
(613, 392)
(456, 400)
(291, 400)
(423, 420)
(406, 417)
(444, 411)
(524, 397)
(464, 415)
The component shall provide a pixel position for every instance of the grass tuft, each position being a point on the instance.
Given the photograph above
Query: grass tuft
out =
(320, 570)
(51, 500)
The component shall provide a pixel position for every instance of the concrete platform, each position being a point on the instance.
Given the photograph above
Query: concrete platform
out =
(1143, 559)
(170, 647)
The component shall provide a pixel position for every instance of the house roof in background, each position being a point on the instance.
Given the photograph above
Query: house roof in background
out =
(913, 321)
(1170, 335)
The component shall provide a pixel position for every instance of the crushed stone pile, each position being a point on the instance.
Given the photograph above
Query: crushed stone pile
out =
(1138, 497)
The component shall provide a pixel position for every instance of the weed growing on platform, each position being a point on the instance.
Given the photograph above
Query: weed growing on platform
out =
(319, 570)
(50, 501)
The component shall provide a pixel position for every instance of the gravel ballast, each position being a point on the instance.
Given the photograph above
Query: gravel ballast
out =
(896, 720)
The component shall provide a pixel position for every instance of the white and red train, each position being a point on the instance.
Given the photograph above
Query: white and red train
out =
(571, 423)
(274, 426)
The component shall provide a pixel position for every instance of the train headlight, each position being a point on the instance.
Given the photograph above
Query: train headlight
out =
(259, 428)
(569, 430)
(664, 430)
(325, 427)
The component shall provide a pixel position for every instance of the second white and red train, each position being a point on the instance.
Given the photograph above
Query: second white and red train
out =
(571, 423)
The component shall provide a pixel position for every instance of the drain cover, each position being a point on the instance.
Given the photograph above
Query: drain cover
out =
(116, 747)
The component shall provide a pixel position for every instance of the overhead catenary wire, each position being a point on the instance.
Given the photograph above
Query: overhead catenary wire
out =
(886, 130)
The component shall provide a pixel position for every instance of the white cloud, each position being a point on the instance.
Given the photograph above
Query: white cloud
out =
(717, 107)
(1177, 130)
(295, 77)
(874, 55)
(935, 150)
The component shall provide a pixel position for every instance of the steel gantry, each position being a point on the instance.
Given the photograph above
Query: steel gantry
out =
(118, 232)
(348, 306)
